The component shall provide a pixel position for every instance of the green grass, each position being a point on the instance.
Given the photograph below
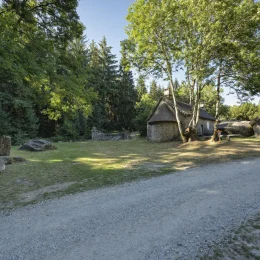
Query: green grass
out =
(89, 165)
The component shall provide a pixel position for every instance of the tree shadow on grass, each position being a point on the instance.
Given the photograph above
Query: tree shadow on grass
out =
(91, 165)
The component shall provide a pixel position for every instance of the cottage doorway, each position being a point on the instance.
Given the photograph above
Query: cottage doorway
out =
(202, 132)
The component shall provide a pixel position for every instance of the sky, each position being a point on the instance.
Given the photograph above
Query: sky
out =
(107, 18)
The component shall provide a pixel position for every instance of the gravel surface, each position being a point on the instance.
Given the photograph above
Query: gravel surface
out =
(170, 217)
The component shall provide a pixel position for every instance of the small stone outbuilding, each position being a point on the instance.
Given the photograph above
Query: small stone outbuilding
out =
(162, 124)
(256, 126)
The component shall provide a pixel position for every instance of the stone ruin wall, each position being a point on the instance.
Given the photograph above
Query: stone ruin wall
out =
(98, 135)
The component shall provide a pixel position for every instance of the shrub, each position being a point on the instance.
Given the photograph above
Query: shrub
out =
(143, 108)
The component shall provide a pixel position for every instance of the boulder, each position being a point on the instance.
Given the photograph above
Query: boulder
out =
(242, 128)
(38, 145)
(5, 145)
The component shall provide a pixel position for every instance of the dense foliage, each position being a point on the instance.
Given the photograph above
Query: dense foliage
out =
(215, 42)
(52, 81)
(246, 112)
(63, 86)
(56, 83)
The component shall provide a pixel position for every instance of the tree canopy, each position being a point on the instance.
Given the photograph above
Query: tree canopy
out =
(215, 42)
(55, 81)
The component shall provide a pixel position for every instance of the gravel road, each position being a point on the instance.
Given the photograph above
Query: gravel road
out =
(169, 217)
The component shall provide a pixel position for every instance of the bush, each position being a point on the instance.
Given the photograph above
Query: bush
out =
(143, 108)
(5, 123)
(69, 130)
(59, 138)
(19, 138)
(19, 122)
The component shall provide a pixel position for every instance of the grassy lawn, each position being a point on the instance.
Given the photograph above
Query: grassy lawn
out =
(80, 166)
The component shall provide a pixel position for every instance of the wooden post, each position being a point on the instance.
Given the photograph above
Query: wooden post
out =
(5, 145)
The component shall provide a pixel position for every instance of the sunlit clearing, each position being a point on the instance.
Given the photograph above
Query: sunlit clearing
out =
(100, 163)
(53, 161)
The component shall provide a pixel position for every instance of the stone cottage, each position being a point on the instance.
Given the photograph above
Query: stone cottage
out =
(256, 126)
(162, 125)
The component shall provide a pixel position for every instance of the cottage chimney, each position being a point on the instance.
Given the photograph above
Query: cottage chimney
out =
(167, 93)
(202, 105)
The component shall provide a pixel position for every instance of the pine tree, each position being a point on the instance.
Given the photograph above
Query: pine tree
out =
(104, 79)
(98, 115)
(140, 87)
(127, 94)
(156, 91)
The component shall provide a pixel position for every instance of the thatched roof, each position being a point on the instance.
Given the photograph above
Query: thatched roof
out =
(164, 111)
(256, 121)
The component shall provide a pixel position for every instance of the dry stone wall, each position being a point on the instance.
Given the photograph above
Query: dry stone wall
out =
(98, 135)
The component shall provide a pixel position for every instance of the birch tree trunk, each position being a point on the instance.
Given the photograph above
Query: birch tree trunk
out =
(169, 74)
(177, 112)
(215, 137)
(195, 112)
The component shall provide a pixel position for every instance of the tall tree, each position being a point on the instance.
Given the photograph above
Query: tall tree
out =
(38, 62)
(156, 92)
(155, 38)
(140, 87)
(166, 34)
(127, 95)
(98, 115)
(236, 23)
(58, 19)
(109, 72)
(104, 79)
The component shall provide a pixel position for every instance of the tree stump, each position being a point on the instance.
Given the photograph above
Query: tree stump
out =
(190, 134)
(5, 146)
